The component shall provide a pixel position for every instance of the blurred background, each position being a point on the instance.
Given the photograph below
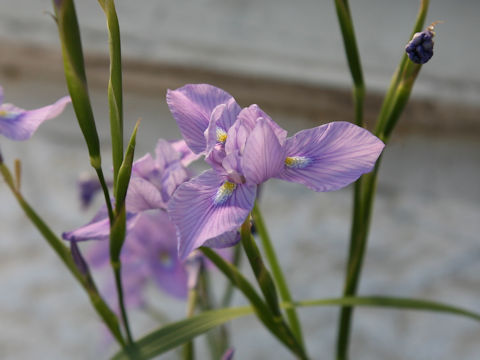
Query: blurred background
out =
(288, 58)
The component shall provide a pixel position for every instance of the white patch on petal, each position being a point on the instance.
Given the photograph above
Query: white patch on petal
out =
(224, 192)
(297, 162)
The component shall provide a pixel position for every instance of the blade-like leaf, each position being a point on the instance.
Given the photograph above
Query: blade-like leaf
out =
(125, 171)
(115, 96)
(75, 75)
(391, 302)
(177, 333)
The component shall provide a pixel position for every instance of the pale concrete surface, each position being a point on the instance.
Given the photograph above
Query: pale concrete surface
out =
(424, 243)
(297, 41)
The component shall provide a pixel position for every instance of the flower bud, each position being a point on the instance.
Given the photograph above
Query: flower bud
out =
(420, 48)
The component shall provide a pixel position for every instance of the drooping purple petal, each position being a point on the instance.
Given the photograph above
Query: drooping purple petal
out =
(191, 106)
(263, 156)
(206, 207)
(19, 124)
(331, 156)
(97, 229)
(225, 240)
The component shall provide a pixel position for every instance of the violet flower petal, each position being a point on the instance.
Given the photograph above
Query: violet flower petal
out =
(143, 195)
(153, 240)
(97, 229)
(165, 154)
(225, 240)
(19, 124)
(206, 207)
(263, 156)
(250, 116)
(331, 156)
(191, 106)
(187, 156)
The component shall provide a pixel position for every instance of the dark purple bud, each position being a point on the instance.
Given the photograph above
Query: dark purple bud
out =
(228, 355)
(420, 48)
(77, 256)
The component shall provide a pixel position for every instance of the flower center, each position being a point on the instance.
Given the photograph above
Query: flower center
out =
(224, 192)
(7, 114)
(297, 162)
(165, 259)
(221, 135)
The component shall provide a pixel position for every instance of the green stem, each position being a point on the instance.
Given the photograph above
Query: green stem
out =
(227, 296)
(265, 280)
(353, 57)
(115, 97)
(392, 107)
(117, 271)
(106, 193)
(188, 350)
(277, 273)
(263, 312)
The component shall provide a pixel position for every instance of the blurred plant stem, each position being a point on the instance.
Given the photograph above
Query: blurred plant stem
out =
(364, 191)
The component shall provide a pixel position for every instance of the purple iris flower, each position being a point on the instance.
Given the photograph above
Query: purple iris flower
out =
(245, 148)
(150, 248)
(19, 124)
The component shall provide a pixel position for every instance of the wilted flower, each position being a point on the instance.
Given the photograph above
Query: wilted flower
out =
(246, 148)
(20, 124)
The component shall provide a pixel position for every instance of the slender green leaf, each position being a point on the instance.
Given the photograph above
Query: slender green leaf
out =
(264, 279)
(262, 311)
(394, 103)
(277, 272)
(391, 302)
(180, 332)
(75, 75)
(353, 57)
(396, 78)
(115, 93)
(126, 170)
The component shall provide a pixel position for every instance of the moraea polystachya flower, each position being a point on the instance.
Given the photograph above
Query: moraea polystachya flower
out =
(245, 148)
(20, 124)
